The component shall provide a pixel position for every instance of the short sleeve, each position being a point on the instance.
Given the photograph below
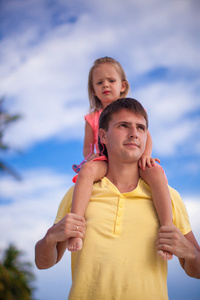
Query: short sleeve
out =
(180, 214)
(93, 120)
(65, 205)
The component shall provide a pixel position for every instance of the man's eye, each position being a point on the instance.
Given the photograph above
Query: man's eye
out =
(123, 125)
(142, 128)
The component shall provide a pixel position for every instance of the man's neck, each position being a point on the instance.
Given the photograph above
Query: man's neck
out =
(124, 176)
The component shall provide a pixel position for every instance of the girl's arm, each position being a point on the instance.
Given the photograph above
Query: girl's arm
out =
(154, 176)
(149, 145)
(146, 159)
(88, 140)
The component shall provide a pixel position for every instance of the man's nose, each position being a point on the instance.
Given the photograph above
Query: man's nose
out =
(133, 132)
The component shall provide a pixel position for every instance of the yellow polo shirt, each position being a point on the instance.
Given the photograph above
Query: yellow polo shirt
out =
(119, 259)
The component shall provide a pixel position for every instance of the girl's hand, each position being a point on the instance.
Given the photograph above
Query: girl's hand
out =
(147, 160)
(93, 156)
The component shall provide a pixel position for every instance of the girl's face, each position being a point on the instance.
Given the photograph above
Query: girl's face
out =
(107, 83)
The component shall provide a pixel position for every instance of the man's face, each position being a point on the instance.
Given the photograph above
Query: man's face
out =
(126, 137)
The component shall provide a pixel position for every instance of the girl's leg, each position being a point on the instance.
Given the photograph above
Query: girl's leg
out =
(90, 172)
(155, 178)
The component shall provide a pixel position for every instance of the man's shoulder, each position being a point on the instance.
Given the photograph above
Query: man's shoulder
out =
(180, 214)
(101, 184)
(103, 187)
(67, 199)
(174, 193)
(65, 205)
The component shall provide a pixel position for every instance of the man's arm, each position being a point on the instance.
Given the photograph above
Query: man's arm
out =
(50, 249)
(185, 248)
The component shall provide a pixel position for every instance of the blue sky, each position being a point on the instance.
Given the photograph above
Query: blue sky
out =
(46, 51)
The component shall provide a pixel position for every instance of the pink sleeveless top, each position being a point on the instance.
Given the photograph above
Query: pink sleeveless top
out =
(93, 120)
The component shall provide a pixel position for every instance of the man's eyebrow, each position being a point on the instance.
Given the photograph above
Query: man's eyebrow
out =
(141, 124)
(123, 122)
(130, 123)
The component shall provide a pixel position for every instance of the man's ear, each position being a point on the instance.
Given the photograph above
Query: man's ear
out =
(102, 135)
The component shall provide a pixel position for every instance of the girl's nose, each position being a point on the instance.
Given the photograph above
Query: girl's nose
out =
(105, 84)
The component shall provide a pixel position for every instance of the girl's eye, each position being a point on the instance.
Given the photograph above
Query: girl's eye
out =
(112, 80)
(100, 82)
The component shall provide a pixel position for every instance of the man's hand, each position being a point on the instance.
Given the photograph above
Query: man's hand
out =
(172, 240)
(50, 249)
(71, 225)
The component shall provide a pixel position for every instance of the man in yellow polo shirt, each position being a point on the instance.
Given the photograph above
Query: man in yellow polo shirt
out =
(119, 256)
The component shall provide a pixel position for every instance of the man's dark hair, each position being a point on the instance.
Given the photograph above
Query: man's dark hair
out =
(116, 106)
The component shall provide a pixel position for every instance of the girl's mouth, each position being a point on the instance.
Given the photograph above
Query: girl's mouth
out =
(106, 92)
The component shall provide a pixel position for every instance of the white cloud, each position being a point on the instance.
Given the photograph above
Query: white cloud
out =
(193, 207)
(46, 74)
(45, 55)
(168, 138)
(33, 208)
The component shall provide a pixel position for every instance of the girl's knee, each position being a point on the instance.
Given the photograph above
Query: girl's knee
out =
(87, 169)
(94, 169)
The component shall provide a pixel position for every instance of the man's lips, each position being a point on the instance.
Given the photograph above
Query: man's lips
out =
(131, 145)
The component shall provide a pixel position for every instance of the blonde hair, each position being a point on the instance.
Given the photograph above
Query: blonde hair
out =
(95, 103)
